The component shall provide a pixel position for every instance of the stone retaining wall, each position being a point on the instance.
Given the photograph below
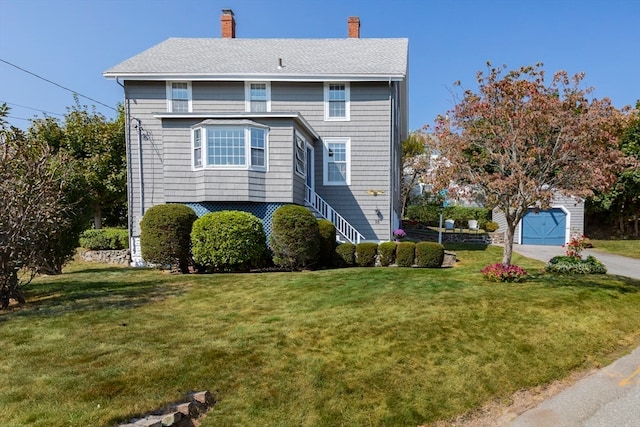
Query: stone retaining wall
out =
(121, 257)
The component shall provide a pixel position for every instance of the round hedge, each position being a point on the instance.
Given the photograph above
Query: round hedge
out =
(387, 253)
(295, 237)
(165, 235)
(229, 241)
(328, 242)
(429, 254)
(405, 254)
(346, 253)
(366, 254)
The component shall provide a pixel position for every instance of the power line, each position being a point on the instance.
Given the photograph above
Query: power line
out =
(18, 118)
(31, 108)
(56, 84)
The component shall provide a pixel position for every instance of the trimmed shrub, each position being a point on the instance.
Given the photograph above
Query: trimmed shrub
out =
(295, 237)
(387, 253)
(429, 254)
(429, 214)
(575, 265)
(366, 254)
(165, 235)
(105, 239)
(229, 241)
(504, 273)
(327, 242)
(405, 254)
(346, 254)
(490, 226)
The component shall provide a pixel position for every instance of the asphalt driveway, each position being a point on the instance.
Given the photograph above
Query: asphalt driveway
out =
(608, 397)
(616, 264)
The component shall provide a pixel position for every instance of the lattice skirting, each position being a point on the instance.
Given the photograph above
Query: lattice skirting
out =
(264, 211)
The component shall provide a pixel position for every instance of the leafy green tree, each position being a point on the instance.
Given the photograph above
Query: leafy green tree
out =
(622, 201)
(520, 138)
(99, 144)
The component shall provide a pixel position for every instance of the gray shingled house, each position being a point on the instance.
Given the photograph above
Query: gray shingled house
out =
(253, 124)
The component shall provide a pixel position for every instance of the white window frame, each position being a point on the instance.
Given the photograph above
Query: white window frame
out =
(247, 95)
(327, 155)
(170, 96)
(197, 158)
(347, 102)
(300, 155)
(204, 149)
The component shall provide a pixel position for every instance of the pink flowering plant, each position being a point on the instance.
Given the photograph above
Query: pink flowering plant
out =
(504, 273)
(575, 247)
(399, 234)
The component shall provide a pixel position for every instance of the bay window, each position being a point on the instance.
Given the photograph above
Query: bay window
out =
(229, 147)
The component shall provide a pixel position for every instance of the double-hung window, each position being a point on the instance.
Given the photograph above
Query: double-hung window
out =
(258, 97)
(229, 147)
(179, 97)
(336, 101)
(300, 149)
(337, 161)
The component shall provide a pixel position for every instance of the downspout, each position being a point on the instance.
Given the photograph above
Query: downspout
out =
(129, 173)
(392, 157)
(129, 157)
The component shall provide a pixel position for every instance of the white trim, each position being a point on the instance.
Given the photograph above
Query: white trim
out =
(247, 94)
(347, 102)
(257, 77)
(325, 161)
(170, 95)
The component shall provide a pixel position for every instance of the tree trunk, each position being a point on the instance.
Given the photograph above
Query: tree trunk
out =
(97, 218)
(508, 244)
(635, 226)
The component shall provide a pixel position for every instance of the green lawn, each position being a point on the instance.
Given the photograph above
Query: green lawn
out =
(361, 346)
(630, 248)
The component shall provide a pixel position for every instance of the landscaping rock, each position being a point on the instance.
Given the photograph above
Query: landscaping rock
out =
(181, 415)
(449, 259)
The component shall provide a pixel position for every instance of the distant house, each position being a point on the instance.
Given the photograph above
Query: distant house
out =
(253, 124)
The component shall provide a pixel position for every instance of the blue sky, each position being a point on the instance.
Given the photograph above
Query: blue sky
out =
(71, 42)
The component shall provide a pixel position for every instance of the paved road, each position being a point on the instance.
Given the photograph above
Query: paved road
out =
(610, 396)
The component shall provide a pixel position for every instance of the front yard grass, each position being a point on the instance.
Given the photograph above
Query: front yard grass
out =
(630, 248)
(361, 346)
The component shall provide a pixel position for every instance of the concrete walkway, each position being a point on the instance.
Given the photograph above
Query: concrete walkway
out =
(609, 396)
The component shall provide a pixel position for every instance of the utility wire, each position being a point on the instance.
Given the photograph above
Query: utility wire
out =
(56, 84)
(31, 108)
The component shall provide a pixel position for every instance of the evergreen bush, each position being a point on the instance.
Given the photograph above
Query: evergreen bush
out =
(328, 242)
(295, 237)
(165, 235)
(346, 254)
(490, 226)
(229, 241)
(429, 254)
(366, 254)
(405, 254)
(387, 253)
(104, 239)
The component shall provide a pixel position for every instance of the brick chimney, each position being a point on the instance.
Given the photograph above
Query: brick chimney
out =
(354, 27)
(228, 24)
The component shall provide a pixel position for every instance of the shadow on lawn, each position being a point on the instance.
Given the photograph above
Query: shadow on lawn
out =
(621, 284)
(91, 289)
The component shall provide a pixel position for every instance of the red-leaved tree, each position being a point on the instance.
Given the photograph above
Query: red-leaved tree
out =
(520, 138)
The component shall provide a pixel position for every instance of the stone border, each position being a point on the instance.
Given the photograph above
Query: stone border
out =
(120, 257)
(179, 415)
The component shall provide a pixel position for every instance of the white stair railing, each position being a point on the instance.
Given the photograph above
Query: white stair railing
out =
(342, 225)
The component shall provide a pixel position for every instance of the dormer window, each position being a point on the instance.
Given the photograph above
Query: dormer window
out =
(179, 97)
(336, 101)
(258, 97)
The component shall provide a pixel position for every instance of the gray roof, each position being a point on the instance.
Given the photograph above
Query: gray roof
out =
(246, 58)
